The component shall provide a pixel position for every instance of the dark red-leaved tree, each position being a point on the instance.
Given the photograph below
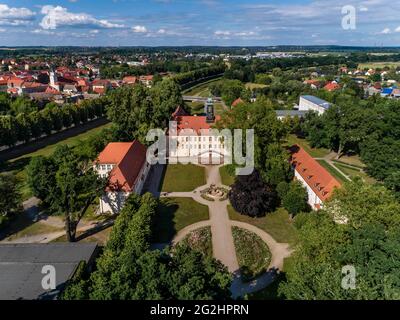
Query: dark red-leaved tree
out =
(251, 196)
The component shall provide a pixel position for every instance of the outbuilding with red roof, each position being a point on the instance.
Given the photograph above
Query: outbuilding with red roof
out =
(319, 183)
(126, 167)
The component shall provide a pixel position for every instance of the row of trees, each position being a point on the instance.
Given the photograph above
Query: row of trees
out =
(53, 118)
(136, 109)
(15, 106)
(128, 269)
(367, 245)
(192, 76)
(121, 70)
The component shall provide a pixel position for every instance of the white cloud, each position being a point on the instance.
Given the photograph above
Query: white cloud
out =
(15, 16)
(41, 31)
(222, 33)
(161, 31)
(385, 31)
(139, 29)
(363, 9)
(2, 30)
(59, 17)
(397, 29)
(95, 31)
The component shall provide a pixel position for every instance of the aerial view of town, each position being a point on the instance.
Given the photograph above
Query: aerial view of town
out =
(231, 151)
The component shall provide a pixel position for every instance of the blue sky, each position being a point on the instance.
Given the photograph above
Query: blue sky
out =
(197, 22)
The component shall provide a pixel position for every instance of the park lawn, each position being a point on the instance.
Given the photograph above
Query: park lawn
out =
(174, 214)
(252, 85)
(354, 161)
(183, 178)
(314, 152)
(226, 178)
(200, 240)
(34, 229)
(278, 224)
(252, 253)
(336, 174)
(17, 166)
(354, 172)
(218, 108)
(100, 237)
(195, 108)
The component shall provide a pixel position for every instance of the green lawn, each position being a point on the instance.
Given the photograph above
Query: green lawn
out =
(226, 178)
(336, 174)
(195, 108)
(17, 165)
(173, 214)
(314, 152)
(252, 253)
(183, 178)
(278, 224)
(355, 172)
(32, 229)
(200, 240)
(100, 237)
(252, 85)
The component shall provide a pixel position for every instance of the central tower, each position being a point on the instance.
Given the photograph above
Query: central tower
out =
(209, 110)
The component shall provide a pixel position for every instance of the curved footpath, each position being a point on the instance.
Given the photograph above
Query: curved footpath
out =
(222, 239)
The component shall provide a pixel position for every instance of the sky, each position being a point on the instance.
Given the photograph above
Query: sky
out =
(199, 22)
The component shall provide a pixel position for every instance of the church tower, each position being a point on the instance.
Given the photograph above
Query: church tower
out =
(209, 110)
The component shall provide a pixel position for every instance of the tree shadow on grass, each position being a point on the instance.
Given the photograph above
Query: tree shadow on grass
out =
(17, 165)
(98, 228)
(16, 224)
(164, 228)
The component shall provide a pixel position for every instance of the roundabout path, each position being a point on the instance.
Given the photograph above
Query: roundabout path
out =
(222, 239)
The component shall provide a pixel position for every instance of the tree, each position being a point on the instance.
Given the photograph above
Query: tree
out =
(369, 241)
(66, 183)
(165, 96)
(251, 196)
(10, 197)
(294, 199)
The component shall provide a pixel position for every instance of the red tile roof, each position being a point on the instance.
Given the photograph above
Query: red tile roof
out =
(236, 102)
(129, 80)
(129, 158)
(316, 176)
(331, 86)
(195, 123)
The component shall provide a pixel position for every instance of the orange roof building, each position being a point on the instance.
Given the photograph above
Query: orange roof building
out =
(125, 166)
(315, 178)
(236, 102)
(332, 86)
